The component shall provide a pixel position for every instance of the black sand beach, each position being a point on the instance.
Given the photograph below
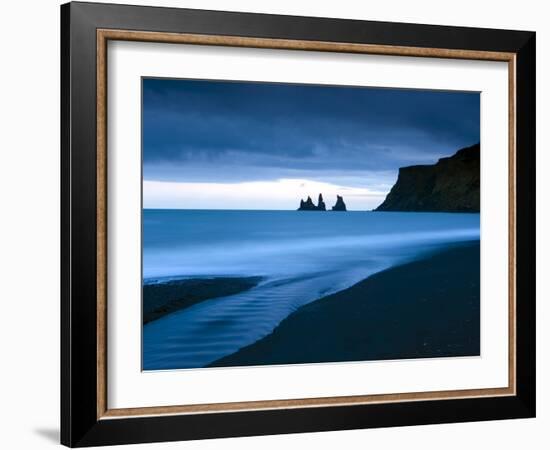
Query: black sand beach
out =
(160, 299)
(426, 308)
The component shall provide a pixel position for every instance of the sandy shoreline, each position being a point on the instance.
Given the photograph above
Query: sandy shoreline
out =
(426, 308)
(161, 299)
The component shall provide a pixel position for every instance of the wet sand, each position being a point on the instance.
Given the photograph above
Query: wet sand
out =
(160, 299)
(426, 308)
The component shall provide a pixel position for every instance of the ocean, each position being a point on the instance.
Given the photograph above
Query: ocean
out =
(302, 256)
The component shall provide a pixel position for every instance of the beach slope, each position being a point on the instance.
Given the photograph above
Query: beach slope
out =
(426, 308)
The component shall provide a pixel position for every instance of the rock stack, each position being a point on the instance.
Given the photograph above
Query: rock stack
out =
(321, 204)
(340, 205)
(308, 204)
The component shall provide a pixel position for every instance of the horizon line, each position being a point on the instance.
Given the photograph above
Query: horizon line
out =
(247, 209)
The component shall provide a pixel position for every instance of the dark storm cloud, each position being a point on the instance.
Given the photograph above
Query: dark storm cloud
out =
(239, 131)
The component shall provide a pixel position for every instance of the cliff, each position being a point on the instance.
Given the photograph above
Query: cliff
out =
(451, 185)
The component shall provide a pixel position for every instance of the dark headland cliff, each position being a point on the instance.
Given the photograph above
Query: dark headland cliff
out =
(450, 185)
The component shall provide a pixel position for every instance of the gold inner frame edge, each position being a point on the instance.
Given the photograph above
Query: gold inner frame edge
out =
(103, 36)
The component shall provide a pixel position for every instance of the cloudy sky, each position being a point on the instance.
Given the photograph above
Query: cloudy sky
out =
(245, 145)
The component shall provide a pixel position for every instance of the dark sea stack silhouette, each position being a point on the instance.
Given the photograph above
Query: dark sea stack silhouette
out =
(308, 205)
(340, 205)
(321, 204)
(450, 185)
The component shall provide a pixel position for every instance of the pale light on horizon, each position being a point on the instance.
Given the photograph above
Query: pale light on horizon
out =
(281, 194)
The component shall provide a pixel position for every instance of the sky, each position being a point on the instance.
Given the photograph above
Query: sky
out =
(248, 145)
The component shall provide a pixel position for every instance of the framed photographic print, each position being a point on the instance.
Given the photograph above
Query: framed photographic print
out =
(276, 224)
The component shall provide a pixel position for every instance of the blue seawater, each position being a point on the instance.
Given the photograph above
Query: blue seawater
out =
(302, 256)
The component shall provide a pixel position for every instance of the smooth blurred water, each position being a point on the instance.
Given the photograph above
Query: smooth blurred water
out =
(302, 255)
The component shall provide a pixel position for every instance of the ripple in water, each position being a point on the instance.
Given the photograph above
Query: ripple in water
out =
(304, 256)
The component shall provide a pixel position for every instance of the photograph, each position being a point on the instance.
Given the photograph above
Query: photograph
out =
(307, 224)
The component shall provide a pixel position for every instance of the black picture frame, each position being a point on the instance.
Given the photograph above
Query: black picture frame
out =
(80, 425)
